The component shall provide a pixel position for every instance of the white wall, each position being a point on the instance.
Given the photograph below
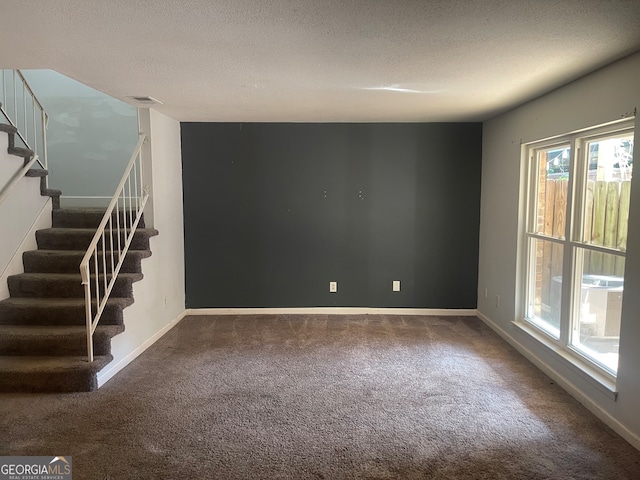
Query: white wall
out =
(18, 213)
(159, 297)
(603, 96)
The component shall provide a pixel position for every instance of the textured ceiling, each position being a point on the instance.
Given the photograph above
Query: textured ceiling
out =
(321, 60)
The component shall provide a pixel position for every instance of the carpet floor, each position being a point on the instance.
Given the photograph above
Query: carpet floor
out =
(322, 397)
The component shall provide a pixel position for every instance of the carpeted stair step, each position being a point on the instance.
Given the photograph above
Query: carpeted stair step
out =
(64, 285)
(58, 311)
(68, 261)
(50, 374)
(27, 154)
(36, 340)
(42, 324)
(87, 218)
(80, 238)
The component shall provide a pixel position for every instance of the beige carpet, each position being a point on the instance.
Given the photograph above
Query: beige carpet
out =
(322, 397)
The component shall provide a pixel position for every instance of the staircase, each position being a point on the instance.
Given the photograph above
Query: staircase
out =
(42, 324)
(44, 332)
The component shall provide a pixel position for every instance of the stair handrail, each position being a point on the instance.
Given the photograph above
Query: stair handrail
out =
(8, 188)
(131, 205)
(38, 114)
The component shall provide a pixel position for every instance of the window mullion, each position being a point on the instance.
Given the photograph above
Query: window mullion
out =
(568, 260)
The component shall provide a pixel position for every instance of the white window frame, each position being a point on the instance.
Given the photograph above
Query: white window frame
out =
(572, 243)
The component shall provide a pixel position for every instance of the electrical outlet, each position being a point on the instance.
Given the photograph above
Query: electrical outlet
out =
(165, 302)
(396, 285)
(333, 287)
(486, 293)
(497, 301)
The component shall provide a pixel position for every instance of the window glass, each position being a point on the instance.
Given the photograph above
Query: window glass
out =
(596, 330)
(607, 194)
(545, 298)
(552, 181)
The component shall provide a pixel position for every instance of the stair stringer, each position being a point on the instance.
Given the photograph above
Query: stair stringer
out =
(15, 264)
(24, 209)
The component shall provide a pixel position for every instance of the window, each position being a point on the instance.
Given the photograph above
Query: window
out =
(578, 192)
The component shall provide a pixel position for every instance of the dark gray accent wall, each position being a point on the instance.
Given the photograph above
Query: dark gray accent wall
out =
(274, 212)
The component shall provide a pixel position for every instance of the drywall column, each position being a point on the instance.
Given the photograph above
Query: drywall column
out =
(159, 297)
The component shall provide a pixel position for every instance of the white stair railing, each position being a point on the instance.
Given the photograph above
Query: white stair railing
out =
(21, 108)
(102, 262)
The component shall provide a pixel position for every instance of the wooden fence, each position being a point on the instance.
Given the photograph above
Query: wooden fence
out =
(606, 224)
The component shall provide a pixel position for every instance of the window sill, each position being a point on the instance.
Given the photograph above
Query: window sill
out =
(580, 367)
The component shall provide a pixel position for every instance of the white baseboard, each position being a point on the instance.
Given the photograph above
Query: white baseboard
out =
(459, 312)
(110, 370)
(565, 383)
